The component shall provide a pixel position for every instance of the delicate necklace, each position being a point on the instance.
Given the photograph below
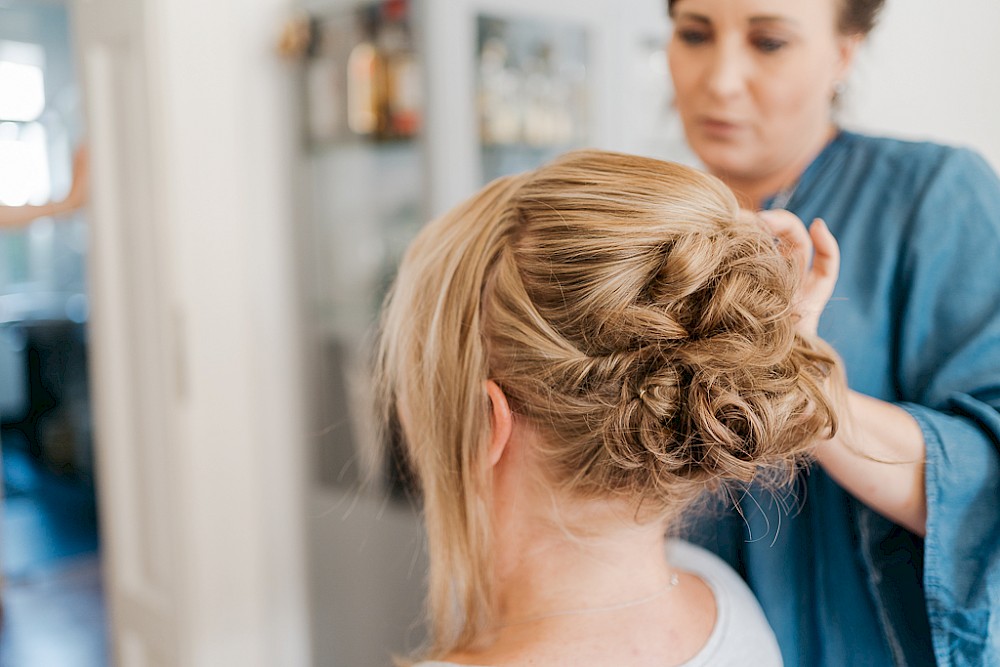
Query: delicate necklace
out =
(783, 196)
(674, 581)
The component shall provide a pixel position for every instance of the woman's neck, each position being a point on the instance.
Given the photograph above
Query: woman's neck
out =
(555, 553)
(755, 190)
(586, 601)
(576, 581)
(540, 575)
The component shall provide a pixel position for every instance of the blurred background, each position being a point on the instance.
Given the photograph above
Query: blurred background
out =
(190, 475)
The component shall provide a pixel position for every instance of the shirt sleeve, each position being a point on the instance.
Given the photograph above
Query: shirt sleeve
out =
(948, 373)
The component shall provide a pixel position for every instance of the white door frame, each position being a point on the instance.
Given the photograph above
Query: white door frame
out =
(195, 362)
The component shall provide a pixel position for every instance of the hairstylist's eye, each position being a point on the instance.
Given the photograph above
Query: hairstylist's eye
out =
(769, 44)
(692, 37)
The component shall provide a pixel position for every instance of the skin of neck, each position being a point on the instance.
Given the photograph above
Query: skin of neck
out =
(547, 545)
(753, 189)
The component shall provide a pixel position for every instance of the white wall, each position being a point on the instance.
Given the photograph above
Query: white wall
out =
(930, 70)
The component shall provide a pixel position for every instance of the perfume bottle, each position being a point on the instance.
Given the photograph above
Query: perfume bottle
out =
(365, 76)
(404, 93)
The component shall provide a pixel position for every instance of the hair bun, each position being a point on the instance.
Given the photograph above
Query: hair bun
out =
(696, 424)
(720, 383)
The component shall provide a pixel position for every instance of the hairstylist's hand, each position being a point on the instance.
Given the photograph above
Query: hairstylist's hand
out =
(818, 257)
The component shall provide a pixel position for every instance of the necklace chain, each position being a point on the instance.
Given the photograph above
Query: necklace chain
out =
(783, 196)
(670, 585)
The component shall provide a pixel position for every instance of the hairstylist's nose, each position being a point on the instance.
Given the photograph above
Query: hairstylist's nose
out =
(726, 76)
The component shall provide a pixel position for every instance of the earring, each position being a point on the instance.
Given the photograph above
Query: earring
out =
(839, 88)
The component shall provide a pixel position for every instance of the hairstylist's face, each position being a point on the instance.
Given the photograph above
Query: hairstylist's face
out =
(754, 81)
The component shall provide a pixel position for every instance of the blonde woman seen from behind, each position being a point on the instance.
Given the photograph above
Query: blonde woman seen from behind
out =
(576, 355)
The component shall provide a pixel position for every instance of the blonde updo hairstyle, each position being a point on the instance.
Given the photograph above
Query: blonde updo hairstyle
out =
(631, 314)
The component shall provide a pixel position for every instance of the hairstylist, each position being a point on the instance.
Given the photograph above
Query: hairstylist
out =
(891, 555)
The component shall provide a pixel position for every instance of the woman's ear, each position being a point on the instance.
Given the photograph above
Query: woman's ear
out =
(847, 50)
(501, 421)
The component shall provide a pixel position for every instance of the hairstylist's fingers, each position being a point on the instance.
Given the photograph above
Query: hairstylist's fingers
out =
(792, 234)
(820, 279)
(826, 253)
(822, 276)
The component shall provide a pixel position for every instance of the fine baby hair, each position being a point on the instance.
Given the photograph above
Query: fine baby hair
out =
(632, 315)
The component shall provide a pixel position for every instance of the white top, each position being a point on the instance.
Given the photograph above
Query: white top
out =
(741, 635)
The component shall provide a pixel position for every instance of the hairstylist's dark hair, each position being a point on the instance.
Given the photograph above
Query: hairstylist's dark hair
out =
(857, 17)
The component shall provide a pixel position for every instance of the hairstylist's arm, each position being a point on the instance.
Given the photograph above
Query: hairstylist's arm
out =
(878, 453)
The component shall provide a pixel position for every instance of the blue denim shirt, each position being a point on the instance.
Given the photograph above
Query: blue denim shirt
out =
(916, 318)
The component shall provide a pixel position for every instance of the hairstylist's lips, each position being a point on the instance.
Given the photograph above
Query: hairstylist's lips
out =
(720, 128)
